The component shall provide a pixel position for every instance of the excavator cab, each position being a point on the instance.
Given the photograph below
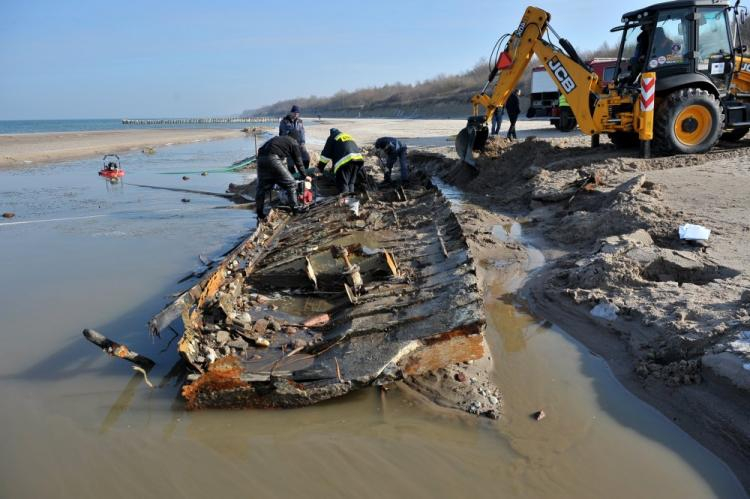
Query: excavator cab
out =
(690, 46)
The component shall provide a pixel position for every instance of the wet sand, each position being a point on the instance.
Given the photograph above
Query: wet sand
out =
(35, 148)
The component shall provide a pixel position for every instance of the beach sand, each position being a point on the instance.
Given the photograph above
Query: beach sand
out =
(37, 148)
(29, 149)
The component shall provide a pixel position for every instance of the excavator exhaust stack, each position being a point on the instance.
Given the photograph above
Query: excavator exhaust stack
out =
(472, 138)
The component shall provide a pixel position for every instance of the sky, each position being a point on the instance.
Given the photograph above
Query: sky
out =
(67, 59)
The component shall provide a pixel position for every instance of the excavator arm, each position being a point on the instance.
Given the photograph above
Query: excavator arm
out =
(572, 77)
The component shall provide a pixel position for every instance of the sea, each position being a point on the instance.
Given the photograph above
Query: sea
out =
(90, 125)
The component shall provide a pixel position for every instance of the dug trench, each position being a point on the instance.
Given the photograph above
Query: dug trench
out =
(670, 317)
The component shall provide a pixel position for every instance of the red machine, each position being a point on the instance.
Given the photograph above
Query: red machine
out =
(111, 168)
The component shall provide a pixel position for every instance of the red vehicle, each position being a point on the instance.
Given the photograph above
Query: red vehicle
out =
(111, 168)
(545, 98)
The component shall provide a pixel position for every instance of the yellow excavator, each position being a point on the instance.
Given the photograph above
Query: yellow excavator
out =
(681, 80)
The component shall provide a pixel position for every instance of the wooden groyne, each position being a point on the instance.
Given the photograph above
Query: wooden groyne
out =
(199, 121)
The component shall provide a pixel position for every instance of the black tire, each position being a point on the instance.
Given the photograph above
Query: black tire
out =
(666, 140)
(624, 140)
(567, 120)
(735, 135)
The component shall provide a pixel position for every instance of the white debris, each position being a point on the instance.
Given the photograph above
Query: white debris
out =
(742, 343)
(353, 205)
(691, 232)
(606, 311)
(370, 251)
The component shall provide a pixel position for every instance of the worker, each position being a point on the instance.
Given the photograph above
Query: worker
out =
(513, 107)
(497, 120)
(272, 170)
(394, 150)
(564, 107)
(662, 44)
(290, 122)
(341, 150)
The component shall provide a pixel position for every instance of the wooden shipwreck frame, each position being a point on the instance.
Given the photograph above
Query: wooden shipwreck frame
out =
(359, 291)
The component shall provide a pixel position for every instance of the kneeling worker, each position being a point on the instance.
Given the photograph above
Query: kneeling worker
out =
(272, 169)
(394, 150)
(341, 150)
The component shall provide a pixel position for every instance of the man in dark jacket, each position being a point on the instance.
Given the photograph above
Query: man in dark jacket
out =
(513, 108)
(394, 150)
(292, 122)
(341, 151)
(272, 170)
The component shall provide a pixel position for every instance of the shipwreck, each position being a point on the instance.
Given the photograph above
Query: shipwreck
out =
(358, 291)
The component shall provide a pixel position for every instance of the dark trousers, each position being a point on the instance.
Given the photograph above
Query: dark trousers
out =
(497, 120)
(272, 171)
(512, 129)
(346, 176)
(399, 156)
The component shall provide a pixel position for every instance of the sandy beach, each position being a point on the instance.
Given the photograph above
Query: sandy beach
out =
(29, 149)
(38, 148)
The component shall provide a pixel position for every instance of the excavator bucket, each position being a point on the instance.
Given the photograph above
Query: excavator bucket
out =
(472, 138)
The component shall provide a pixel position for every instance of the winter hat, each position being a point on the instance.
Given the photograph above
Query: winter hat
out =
(335, 131)
(295, 109)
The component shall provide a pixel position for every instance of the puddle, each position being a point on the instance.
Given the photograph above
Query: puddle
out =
(513, 232)
(596, 435)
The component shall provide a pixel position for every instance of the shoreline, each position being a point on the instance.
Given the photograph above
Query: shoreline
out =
(38, 148)
(702, 411)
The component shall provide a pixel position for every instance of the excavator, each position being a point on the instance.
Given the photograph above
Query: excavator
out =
(682, 80)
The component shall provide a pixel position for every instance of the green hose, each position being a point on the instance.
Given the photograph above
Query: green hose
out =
(236, 166)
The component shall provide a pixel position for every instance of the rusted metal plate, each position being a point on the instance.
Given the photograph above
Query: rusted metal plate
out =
(399, 293)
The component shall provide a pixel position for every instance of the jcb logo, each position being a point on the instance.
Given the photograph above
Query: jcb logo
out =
(745, 67)
(562, 75)
(521, 28)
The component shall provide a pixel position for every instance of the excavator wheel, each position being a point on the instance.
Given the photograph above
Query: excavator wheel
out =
(688, 121)
(735, 135)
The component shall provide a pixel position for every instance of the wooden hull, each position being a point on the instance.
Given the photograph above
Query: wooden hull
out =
(287, 321)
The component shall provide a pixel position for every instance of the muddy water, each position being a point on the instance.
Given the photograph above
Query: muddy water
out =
(76, 424)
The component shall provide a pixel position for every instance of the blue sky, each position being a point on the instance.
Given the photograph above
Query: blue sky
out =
(87, 59)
